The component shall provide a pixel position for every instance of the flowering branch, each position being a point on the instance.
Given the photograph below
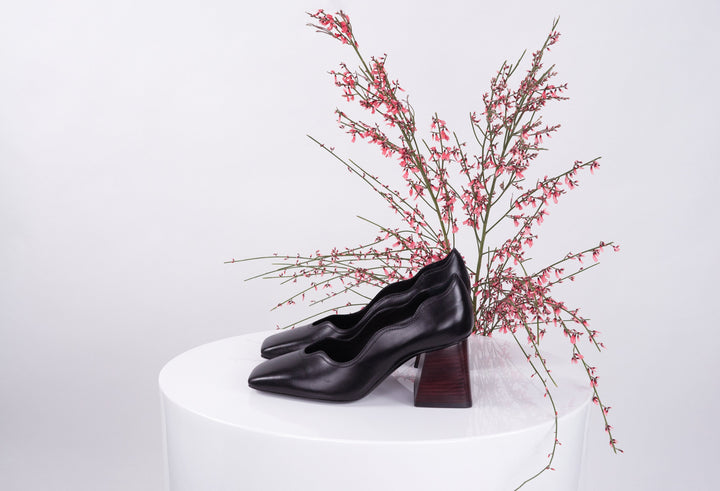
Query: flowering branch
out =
(449, 190)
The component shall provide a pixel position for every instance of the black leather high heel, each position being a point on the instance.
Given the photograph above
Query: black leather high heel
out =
(348, 369)
(344, 325)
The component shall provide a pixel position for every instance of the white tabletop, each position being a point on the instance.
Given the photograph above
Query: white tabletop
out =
(211, 381)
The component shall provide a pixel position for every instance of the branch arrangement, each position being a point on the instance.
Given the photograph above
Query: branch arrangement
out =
(449, 190)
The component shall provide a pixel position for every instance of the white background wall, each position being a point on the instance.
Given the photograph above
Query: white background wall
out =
(142, 143)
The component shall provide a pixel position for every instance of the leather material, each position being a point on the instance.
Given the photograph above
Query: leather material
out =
(342, 325)
(349, 368)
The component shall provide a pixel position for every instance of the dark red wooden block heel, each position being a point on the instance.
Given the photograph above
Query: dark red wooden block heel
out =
(444, 378)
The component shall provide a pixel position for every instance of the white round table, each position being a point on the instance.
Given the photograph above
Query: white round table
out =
(222, 435)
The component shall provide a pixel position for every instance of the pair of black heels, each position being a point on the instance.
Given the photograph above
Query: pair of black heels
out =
(344, 357)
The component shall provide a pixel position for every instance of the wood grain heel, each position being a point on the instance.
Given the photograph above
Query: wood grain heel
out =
(444, 378)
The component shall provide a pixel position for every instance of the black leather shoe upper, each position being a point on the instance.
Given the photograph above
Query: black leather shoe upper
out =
(342, 325)
(346, 369)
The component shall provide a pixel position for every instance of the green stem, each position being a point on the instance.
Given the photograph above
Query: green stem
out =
(555, 414)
